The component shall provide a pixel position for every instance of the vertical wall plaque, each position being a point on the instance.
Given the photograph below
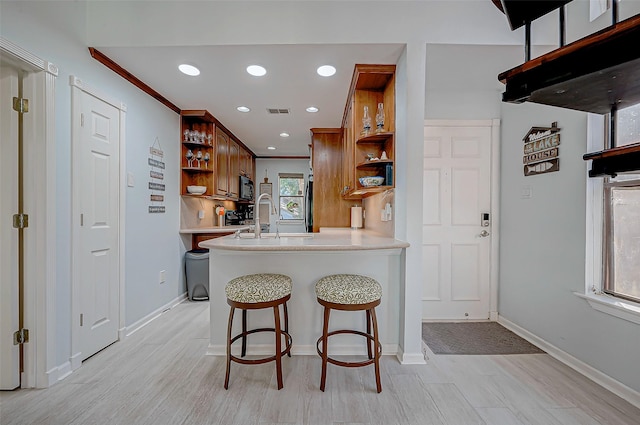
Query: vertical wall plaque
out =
(541, 150)
(156, 154)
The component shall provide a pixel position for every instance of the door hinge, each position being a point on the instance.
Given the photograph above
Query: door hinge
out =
(81, 120)
(81, 319)
(20, 221)
(81, 220)
(21, 337)
(20, 105)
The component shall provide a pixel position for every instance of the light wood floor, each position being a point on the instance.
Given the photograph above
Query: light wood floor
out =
(160, 376)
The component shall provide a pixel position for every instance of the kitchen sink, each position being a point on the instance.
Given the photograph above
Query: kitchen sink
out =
(273, 235)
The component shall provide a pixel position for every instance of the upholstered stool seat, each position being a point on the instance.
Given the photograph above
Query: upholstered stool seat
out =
(350, 292)
(253, 292)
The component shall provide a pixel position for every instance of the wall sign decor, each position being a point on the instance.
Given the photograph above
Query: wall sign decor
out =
(541, 150)
(155, 155)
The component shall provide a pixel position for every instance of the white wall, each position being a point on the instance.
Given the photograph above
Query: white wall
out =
(273, 167)
(55, 32)
(542, 249)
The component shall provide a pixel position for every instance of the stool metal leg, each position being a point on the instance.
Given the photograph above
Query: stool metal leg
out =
(369, 342)
(278, 332)
(244, 332)
(286, 323)
(226, 378)
(377, 353)
(325, 349)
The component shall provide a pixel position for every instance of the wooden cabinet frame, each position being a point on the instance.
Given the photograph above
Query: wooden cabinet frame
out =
(370, 85)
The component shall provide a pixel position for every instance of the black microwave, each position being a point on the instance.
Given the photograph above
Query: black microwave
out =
(246, 189)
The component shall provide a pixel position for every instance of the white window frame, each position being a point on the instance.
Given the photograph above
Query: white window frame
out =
(302, 197)
(593, 294)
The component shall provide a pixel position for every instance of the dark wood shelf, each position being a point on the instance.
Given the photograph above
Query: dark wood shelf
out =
(613, 161)
(363, 192)
(199, 145)
(375, 138)
(197, 170)
(591, 74)
(374, 164)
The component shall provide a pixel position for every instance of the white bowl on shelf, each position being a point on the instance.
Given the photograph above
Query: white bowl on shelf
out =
(196, 190)
(371, 181)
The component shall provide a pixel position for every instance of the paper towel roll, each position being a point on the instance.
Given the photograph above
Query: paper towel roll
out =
(356, 217)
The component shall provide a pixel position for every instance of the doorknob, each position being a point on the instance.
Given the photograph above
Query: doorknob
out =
(484, 234)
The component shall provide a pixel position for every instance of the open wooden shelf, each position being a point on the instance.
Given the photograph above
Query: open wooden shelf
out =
(375, 138)
(591, 74)
(613, 161)
(374, 164)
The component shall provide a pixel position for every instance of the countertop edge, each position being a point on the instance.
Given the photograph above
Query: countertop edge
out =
(214, 229)
(356, 240)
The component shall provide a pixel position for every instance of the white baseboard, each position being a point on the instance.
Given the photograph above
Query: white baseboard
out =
(67, 368)
(64, 370)
(600, 378)
(153, 315)
(75, 361)
(51, 377)
(411, 358)
(300, 350)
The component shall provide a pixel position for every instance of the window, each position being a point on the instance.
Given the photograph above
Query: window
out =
(621, 243)
(291, 189)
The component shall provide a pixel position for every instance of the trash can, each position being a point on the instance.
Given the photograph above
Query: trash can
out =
(196, 266)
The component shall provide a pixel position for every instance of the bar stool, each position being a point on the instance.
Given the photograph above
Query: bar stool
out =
(349, 292)
(253, 292)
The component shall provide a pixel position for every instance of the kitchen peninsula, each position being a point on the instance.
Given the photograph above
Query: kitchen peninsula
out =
(306, 258)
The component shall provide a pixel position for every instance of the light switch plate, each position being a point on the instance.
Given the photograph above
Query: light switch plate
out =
(130, 179)
(526, 192)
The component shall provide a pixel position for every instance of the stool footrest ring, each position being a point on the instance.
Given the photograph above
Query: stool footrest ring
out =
(350, 364)
(287, 349)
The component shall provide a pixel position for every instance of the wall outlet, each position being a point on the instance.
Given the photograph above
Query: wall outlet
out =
(200, 214)
(163, 276)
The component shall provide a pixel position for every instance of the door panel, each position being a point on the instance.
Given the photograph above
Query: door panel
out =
(9, 293)
(457, 190)
(98, 269)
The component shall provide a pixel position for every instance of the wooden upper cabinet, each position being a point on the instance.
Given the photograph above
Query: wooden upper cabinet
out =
(234, 169)
(348, 158)
(228, 157)
(196, 172)
(222, 163)
(246, 164)
(369, 153)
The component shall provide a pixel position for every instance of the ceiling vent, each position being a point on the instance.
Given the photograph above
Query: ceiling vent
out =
(278, 111)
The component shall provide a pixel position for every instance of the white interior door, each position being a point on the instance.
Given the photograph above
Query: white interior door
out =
(456, 246)
(9, 294)
(96, 187)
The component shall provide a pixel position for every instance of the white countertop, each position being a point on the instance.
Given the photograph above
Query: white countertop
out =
(330, 240)
(215, 229)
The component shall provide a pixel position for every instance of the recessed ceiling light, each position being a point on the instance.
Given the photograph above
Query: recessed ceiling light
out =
(312, 109)
(271, 148)
(256, 70)
(189, 69)
(326, 70)
(243, 109)
(283, 134)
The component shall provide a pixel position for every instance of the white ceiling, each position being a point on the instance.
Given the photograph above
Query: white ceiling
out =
(291, 82)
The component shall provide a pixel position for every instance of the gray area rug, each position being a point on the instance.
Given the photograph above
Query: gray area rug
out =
(474, 338)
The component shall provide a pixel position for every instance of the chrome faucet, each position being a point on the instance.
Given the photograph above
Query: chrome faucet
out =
(258, 231)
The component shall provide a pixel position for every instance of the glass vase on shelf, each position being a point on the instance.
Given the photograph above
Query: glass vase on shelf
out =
(380, 118)
(366, 122)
